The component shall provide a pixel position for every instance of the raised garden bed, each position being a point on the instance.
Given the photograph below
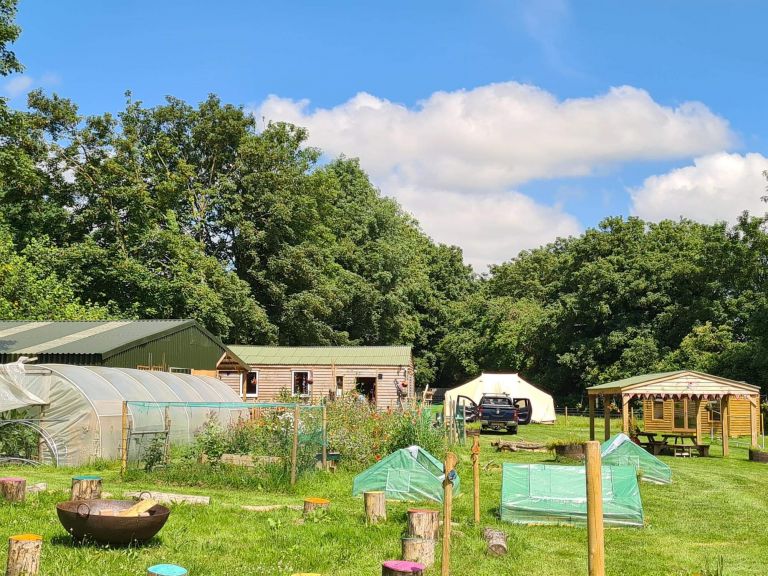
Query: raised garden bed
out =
(757, 455)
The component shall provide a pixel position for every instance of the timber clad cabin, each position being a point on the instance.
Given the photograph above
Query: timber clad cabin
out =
(164, 345)
(260, 373)
(683, 402)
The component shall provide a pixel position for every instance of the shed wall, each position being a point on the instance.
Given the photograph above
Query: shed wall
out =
(740, 424)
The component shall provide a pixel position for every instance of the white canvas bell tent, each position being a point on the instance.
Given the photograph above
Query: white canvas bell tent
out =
(542, 404)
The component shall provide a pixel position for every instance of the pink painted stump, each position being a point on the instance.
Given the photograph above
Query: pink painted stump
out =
(13, 489)
(401, 568)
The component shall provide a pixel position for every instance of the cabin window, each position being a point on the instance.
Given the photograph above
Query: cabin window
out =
(252, 385)
(713, 411)
(658, 409)
(302, 382)
(180, 370)
(685, 414)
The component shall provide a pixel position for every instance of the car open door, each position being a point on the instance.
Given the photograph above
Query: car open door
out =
(524, 410)
(469, 406)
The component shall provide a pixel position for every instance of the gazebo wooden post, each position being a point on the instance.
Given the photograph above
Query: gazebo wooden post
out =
(699, 430)
(625, 413)
(725, 423)
(754, 413)
(591, 399)
(607, 413)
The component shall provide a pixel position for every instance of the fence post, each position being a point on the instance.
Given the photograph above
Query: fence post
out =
(295, 448)
(476, 476)
(595, 532)
(450, 474)
(566, 416)
(124, 452)
(325, 437)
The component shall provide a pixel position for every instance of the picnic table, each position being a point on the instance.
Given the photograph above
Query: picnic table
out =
(675, 443)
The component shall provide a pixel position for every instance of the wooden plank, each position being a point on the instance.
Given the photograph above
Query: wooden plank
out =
(171, 498)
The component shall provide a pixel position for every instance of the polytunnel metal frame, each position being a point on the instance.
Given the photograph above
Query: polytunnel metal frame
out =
(42, 432)
(82, 414)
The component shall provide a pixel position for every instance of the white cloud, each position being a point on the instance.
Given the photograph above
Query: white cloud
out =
(476, 146)
(490, 228)
(717, 187)
(17, 85)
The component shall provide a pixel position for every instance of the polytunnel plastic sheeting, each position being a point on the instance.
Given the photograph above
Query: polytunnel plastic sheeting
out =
(552, 494)
(408, 474)
(619, 450)
(84, 410)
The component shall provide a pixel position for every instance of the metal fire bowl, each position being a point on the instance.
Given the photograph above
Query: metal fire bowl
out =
(81, 519)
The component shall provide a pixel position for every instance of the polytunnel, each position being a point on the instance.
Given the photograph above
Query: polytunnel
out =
(82, 410)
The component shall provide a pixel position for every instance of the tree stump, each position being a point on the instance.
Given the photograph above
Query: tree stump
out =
(13, 489)
(401, 568)
(375, 506)
(423, 523)
(312, 504)
(421, 550)
(24, 555)
(496, 540)
(86, 488)
(166, 570)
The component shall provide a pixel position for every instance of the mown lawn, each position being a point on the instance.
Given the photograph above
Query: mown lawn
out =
(715, 508)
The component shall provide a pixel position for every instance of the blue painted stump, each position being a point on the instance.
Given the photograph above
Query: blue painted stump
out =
(166, 570)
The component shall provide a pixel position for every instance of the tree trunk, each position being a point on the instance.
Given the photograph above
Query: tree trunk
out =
(311, 504)
(423, 523)
(166, 570)
(375, 506)
(86, 488)
(421, 550)
(24, 555)
(13, 489)
(496, 540)
(401, 568)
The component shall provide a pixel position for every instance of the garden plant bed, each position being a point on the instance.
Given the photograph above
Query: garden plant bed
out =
(758, 455)
(222, 539)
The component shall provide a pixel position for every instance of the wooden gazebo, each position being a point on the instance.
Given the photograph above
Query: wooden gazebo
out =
(682, 401)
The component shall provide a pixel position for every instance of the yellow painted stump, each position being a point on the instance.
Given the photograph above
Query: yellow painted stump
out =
(312, 504)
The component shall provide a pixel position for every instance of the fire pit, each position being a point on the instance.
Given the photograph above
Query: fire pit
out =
(98, 520)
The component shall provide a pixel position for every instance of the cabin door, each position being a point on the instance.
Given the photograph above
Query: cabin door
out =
(366, 386)
(685, 411)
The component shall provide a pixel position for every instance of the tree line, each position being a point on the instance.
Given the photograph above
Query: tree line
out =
(193, 211)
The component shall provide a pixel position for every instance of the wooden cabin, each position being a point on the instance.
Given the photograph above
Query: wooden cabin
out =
(683, 402)
(314, 372)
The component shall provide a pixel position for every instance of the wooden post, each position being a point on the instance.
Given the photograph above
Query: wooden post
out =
(295, 447)
(24, 555)
(625, 413)
(401, 568)
(325, 437)
(312, 504)
(166, 570)
(423, 523)
(476, 476)
(699, 427)
(591, 400)
(167, 426)
(420, 550)
(13, 489)
(375, 507)
(595, 528)
(754, 412)
(124, 445)
(449, 469)
(85, 488)
(566, 416)
(607, 414)
(496, 540)
(725, 423)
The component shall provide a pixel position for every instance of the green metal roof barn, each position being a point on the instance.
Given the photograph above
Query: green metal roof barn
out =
(175, 345)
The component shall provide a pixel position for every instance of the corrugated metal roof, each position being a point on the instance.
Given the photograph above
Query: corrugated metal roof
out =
(99, 337)
(324, 355)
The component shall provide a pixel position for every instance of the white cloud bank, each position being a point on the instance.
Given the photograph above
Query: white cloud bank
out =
(717, 187)
(462, 153)
(17, 85)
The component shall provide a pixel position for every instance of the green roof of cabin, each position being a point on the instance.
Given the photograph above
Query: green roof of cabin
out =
(324, 355)
(632, 380)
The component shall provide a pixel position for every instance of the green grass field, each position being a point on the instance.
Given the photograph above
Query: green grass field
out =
(715, 508)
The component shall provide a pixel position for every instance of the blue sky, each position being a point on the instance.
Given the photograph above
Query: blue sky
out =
(499, 125)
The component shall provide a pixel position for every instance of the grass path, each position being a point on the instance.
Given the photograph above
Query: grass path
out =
(715, 507)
